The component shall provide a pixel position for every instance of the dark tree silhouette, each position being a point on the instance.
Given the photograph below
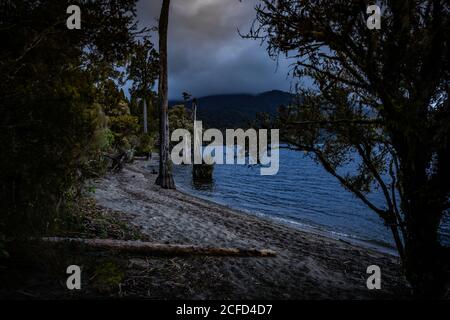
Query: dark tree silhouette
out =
(52, 94)
(165, 178)
(378, 98)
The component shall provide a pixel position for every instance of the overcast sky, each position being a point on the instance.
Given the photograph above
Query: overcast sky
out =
(206, 54)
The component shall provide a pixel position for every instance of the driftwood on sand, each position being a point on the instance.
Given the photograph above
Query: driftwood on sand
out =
(157, 249)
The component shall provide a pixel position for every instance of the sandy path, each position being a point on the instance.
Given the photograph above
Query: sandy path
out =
(307, 265)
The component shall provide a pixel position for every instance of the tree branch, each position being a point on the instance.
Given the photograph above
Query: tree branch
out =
(329, 168)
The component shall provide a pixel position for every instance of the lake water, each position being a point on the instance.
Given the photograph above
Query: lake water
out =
(302, 194)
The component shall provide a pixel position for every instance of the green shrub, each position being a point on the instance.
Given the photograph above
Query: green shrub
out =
(146, 143)
(53, 129)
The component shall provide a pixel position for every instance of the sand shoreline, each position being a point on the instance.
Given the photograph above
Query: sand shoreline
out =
(308, 265)
(302, 227)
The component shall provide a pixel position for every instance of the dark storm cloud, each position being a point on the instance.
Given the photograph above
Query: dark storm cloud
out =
(207, 55)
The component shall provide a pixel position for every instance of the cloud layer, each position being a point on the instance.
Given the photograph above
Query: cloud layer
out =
(206, 54)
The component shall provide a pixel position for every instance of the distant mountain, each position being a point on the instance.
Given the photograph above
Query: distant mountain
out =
(237, 110)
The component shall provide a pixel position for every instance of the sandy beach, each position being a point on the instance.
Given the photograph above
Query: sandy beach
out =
(307, 265)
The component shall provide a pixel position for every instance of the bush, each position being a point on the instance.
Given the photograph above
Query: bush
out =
(53, 130)
(43, 170)
(146, 143)
(124, 126)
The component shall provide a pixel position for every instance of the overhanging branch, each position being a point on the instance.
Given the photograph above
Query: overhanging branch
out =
(329, 168)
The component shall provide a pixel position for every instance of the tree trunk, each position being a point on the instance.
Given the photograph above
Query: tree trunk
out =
(145, 117)
(422, 204)
(425, 263)
(165, 178)
(194, 105)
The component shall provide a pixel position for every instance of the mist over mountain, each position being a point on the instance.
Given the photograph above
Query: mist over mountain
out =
(237, 110)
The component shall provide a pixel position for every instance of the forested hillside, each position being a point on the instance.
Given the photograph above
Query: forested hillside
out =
(237, 110)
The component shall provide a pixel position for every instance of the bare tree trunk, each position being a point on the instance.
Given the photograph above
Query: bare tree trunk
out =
(165, 178)
(145, 117)
(194, 105)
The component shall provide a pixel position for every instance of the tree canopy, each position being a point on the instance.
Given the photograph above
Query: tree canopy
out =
(378, 98)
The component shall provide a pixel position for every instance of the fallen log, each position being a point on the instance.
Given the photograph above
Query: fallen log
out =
(156, 249)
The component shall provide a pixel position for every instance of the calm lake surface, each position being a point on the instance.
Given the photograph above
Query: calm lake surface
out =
(302, 194)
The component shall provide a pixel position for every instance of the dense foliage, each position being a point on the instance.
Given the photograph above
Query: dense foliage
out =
(180, 118)
(54, 126)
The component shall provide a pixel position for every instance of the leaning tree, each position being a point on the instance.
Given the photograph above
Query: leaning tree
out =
(165, 178)
(379, 99)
